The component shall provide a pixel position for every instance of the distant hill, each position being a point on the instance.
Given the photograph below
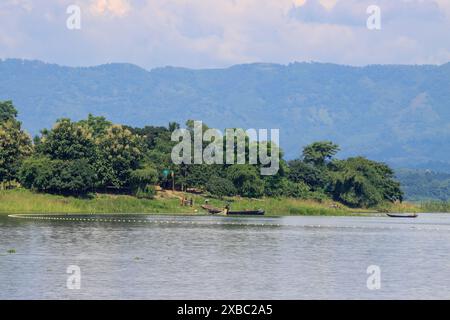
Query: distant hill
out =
(398, 114)
(424, 184)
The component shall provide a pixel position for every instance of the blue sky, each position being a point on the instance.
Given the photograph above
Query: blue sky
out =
(219, 33)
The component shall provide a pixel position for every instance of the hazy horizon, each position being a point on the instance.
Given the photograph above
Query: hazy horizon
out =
(221, 33)
(219, 68)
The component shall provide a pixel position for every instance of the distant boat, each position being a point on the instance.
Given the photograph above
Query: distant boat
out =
(226, 211)
(245, 213)
(212, 209)
(402, 215)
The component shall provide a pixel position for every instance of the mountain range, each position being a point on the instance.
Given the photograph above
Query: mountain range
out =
(399, 114)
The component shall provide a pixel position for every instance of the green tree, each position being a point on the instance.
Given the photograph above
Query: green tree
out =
(246, 179)
(67, 141)
(360, 182)
(301, 172)
(198, 175)
(150, 134)
(142, 181)
(294, 189)
(75, 177)
(35, 173)
(319, 152)
(15, 144)
(96, 125)
(7, 111)
(120, 152)
(220, 187)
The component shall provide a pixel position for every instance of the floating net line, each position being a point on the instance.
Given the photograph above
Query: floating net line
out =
(110, 218)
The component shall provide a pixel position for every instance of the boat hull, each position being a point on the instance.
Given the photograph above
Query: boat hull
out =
(212, 209)
(392, 215)
(246, 213)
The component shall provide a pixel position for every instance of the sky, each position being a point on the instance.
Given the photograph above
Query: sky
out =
(220, 33)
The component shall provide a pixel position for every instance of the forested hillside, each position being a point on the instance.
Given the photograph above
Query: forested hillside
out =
(396, 114)
(424, 184)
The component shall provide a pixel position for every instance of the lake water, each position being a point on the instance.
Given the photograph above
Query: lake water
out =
(157, 257)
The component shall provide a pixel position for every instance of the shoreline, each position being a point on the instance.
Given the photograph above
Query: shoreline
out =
(168, 203)
(170, 214)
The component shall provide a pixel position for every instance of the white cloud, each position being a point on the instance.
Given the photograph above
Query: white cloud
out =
(328, 4)
(299, 3)
(444, 5)
(113, 7)
(216, 33)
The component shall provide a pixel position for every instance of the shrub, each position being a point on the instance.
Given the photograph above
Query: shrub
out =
(140, 178)
(57, 176)
(318, 196)
(220, 187)
(295, 189)
(252, 189)
(148, 192)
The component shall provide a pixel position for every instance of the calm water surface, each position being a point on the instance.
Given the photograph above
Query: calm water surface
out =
(158, 257)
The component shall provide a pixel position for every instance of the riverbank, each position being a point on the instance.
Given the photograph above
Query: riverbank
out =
(435, 206)
(166, 202)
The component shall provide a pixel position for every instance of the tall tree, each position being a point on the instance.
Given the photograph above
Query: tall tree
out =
(319, 152)
(360, 182)
(67, 141)
(246, 179)
(314, 176)
(7, 111)
(120, 152)
(96, 125)
(15, 144)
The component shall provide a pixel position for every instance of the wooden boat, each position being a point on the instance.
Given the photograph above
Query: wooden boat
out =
(402, 215)
(212, 209)
(245, 213)
(226, 211)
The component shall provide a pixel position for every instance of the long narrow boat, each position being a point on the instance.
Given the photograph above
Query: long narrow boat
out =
(245, 213)
(402, 215)
(227, 212)
(212, 209)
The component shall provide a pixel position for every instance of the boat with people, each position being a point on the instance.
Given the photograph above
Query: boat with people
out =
(211, 209)
(226, 211)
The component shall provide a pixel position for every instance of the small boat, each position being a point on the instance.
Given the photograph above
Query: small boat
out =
(402, 215)
(226, 211)
(245, 213)
(211, 209)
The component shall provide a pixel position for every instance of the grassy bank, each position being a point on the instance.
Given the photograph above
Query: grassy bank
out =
(435, 206)
(24, 201)
(404, 207)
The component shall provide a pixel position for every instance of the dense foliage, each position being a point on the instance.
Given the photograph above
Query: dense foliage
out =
(424, 184)
(15, 144)
(220, 187)
(58, 176)
(360, 182)
(95, 155)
